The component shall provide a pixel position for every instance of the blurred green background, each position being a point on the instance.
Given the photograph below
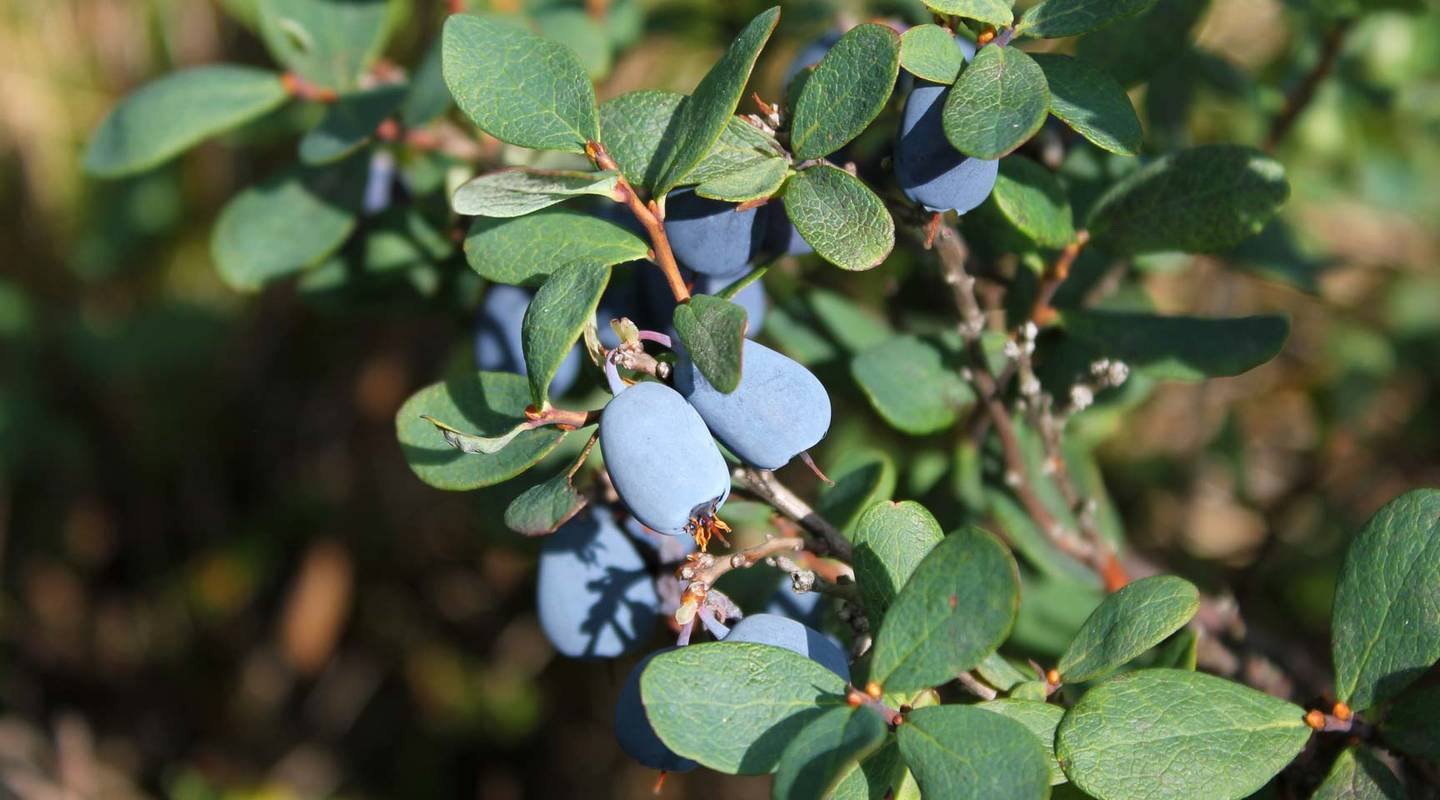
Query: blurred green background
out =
(221, 580)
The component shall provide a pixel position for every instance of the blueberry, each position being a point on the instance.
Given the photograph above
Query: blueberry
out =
(930, 170)
(497, 336)
(662, 460)
(779, 410)
(595, 597)
(632, 727)
(793, 636)
(782, 238)
(710, 236)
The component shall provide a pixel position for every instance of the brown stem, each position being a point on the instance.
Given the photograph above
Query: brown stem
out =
(1299, 98)
(1042, 313)
(953, 255)
(649, 216)
(741, 559)
(560, 417)
(763, 484)
(302, 89)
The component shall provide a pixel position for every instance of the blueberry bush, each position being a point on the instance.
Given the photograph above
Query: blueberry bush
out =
(981, 631)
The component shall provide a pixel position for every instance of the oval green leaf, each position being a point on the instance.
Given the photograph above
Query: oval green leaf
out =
(1031, 198)
(1092, 103)
(555, 319)
(518, 87)
(287, 223)
(1181, 348)
(957, 607)
(1161, 734)
(518, 191)
(713, 332)
(754, 180)
(1038, 717)
(1000, 101)
(1358, 775)
(1054, 19)
(1386, 629)
(525, 250)
(994, 12)
(488, 403)
(965, 753)
(544, 507)
(909, 383)
(1204, 200)
(824, 752)
(846, 92)
(170, 115)
(929, 52)
(840, 217)
(891, 539)
(702, 116)
(327, 42)
(879, 775)
(349, 123)
(1129, 622)
(735, 706)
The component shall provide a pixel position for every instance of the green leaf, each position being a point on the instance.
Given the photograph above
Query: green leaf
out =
(1000, 673)
(1038, 717)
(350, 123)
(840, 217)
(825, 749)
(524, 250)
(846, 92)
(964, 753)
(636, 123)
(1359, 775)
(1000, 101)
(516, 192)
(327, 42)
(1386, 629)
(428, 97)
(544, 507)
(702, 116)
(713, 332)
(729, 292)
(1161, 734)
(862, 479)
(955, 610)
(1129, 622)
(1033, 201)
(755, 180)
(1178, 653)
(909, 383)
(1413, 725)
(891, 539)
(556, 317)
(735, 706)
(1181, 348)
(1136, 48)
(287, 223)
(994, 12)
(1204, 200)
(1092, 103)
(1054, 19)
(929, 52)
(491, 403)
(170, 115)
(518, 87)
(876, 775)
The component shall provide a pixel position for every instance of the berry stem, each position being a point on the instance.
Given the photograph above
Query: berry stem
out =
(1299, 98)
(1042, 313)
(763, 484)
(650, 217)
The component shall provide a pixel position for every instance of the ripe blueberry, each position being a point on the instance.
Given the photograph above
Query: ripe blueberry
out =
(779, 410)
(595, 597)
(930, 170)
(710, 236)
(662, 460)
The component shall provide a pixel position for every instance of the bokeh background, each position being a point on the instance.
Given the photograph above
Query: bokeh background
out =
(218, 579)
